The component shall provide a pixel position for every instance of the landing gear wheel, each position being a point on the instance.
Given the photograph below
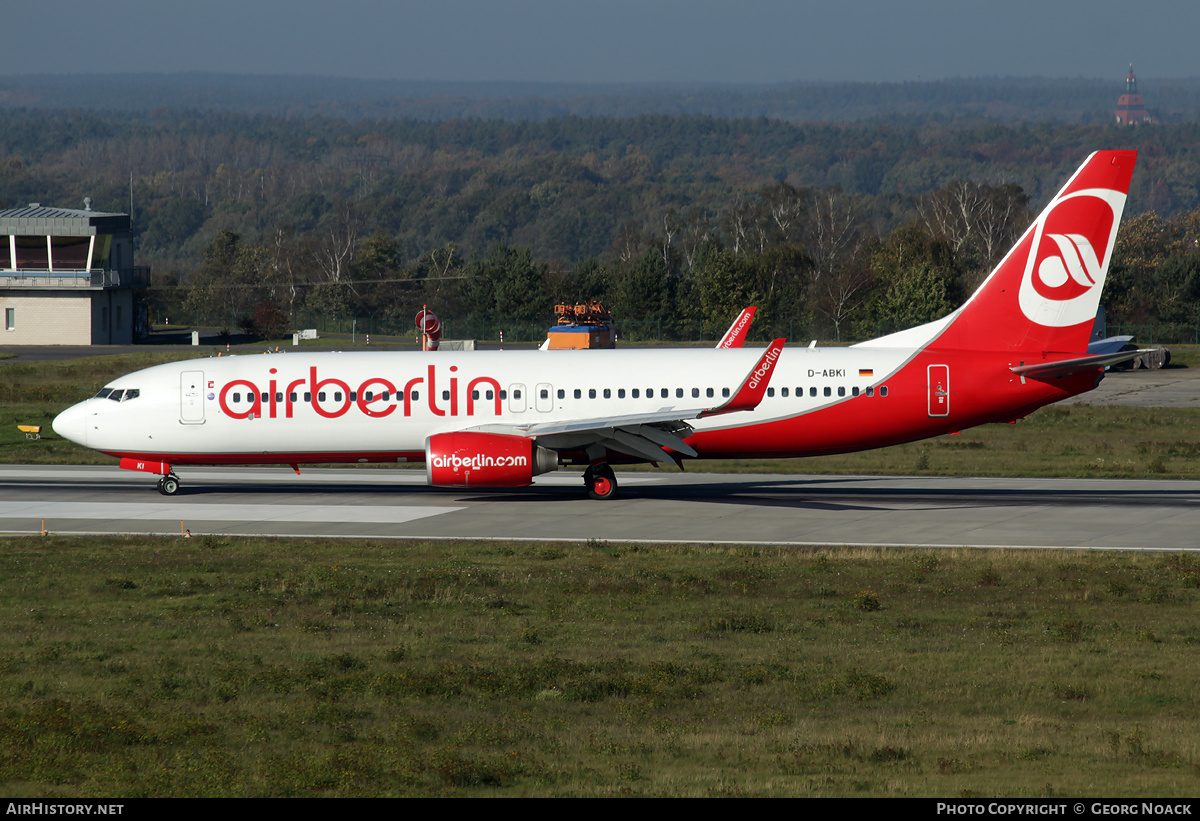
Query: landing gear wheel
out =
(168, 485)
(600, 481)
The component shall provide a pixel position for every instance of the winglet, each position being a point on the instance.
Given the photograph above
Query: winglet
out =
(754, 387)
(736, 334)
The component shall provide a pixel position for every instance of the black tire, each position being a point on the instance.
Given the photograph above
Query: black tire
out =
(601, 482)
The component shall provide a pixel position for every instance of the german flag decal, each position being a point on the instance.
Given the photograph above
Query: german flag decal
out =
(866, 371)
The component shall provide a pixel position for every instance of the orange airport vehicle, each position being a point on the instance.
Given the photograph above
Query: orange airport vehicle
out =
(584, 325)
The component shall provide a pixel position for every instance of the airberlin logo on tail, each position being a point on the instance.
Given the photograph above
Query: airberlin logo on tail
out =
(1070, 273)
(1065, 271)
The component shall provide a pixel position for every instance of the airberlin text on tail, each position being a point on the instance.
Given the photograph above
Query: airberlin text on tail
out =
(1044, 294)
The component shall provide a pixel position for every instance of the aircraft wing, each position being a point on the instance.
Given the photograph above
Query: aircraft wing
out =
(645, 435)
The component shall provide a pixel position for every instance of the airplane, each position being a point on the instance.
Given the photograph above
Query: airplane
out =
(488, 419)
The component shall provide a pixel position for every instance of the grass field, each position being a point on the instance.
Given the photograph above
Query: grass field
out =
(253, 667)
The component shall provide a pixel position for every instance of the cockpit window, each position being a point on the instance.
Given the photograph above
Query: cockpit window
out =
(104, 392)
(116, 396)
(119, 395)
(132, 393)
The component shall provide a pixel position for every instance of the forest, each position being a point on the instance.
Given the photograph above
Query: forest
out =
(838, 231)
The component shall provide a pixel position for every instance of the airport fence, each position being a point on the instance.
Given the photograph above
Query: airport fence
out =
(658, 329)
(1162, 333)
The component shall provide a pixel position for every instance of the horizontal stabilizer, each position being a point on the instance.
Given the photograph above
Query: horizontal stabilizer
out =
(1066, 367)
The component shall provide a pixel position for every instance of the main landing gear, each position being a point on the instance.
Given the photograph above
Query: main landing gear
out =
(168, 485)
(600, 481)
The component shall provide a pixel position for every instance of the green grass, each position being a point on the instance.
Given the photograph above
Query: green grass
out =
(255, 667)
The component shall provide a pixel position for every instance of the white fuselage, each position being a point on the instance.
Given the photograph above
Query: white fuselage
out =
(390, 403)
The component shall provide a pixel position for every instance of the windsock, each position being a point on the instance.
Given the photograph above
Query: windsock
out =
(428, 322)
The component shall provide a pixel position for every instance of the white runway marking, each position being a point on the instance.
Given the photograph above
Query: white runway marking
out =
(194, 512)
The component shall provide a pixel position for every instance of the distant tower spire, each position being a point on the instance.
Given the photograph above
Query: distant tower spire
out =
(1130, 107)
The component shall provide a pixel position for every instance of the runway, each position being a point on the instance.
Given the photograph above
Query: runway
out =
(798, 510)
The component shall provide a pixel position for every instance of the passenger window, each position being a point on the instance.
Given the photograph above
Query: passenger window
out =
(812, 391)
(279, 397)
(292, 396)
(237, 397)
(695, 393)
(634, 393)
(883, 390)
(561, 394)
(665, 393)
(504, 394)
(724, 393)
(828, 392)
(307, 396)
(445, 396)
(578, 393)
(854, 390)
(545, 394)
(320, 396)
(870, 390)
(417, 395)
(353, 396)
(516, 394)
(265, 396)
(620, 393)
(783, 391)
(337, 396)
(709, 393)
(386, 396)
(591, 393)
(607, 393)
(679, 393)
(475, 394)
(490, 395)
(770, 391)
(842, 391)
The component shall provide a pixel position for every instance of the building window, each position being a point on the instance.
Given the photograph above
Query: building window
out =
(69, 253)
(10, 319)
(33, 253)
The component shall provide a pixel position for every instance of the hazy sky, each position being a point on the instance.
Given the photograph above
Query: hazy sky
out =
(607, 40)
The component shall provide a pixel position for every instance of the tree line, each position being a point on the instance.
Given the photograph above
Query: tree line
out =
(836, 231)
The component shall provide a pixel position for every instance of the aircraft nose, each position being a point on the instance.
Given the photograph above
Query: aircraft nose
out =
(72, 424)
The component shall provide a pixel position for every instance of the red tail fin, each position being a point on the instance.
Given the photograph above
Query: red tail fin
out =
(1043, 295)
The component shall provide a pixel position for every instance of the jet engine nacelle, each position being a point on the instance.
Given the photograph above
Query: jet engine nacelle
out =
(473, 459)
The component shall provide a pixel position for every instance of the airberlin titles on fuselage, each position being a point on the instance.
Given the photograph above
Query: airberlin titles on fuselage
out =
(372, 396)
